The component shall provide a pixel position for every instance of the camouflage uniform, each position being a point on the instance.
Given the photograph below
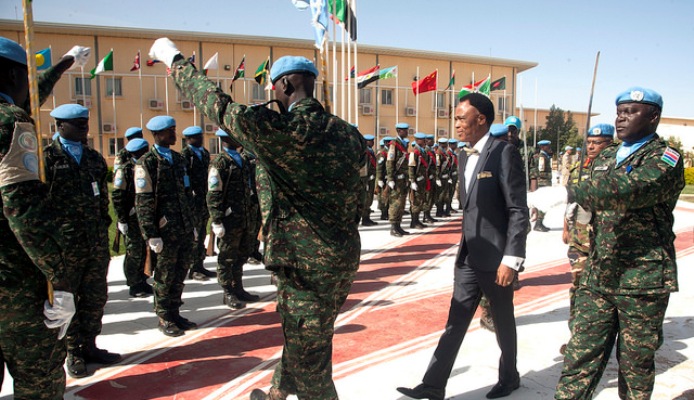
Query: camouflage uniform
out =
(453, 160)
(29, 256)
(368, 183)
(123, 197)
(197, 170)
(310, 160)
(163, 202)
(229, 201)
(381, 177)
(256, 221)
(419, 171)
(80, 193)
(430, 196)
(624, 290)
(396, 171)
(541, 169)
(121, 158)
(444, 174)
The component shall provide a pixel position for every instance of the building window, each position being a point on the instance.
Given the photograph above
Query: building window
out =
(387, 97)
(213, 145)
(258, 93)
(83, 87)
(441, 100)
(365, 96)
(502, 105)
(112, 151)
(112, 83)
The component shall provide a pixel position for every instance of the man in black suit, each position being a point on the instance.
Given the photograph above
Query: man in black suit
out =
(492, 247)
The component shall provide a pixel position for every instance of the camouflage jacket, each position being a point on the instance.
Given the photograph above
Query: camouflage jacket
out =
(30, 237)
(123, 195)
(197, 169)
(541, 169)
(163, 197)
(443, 170)
(121, 158)
(381, 157)
(230, 188)
(80, 193)
(396, 163)
(420, 167)
(368, 170)
(632, 242)
(311, 160)
(577, 218)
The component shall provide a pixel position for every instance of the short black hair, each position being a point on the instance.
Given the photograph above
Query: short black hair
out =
(482, 103)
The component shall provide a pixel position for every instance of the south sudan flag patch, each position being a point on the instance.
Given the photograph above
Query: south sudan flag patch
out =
(670, 157)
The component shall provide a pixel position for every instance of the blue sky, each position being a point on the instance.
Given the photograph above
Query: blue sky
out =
(646, 43)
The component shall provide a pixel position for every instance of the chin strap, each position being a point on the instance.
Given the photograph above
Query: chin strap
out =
(267, 103)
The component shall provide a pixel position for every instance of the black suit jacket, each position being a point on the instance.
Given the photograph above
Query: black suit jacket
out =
(495, 211)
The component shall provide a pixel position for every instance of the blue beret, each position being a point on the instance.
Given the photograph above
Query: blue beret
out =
(544, 143)
(221, 133)
(291, 65)
(453, 140)
(70, 111)
(430, 136)
(192, 131)
(161, 122)
(55, 136)
(136, 144)
(420, 135)
(381, 143)
(132, 131)
(369, 137)
(402, 125)
(513, 120)
(406, 140)
(387, 139)
(605, 130)
(10, 50)
(640, 95)
(498, 130)
(568, 148)
(578, 149)
(443, 140)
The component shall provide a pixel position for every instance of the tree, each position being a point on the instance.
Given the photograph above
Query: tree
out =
(560, 129)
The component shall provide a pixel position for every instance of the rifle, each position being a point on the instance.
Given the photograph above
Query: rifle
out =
(210, 245)
(590, 104)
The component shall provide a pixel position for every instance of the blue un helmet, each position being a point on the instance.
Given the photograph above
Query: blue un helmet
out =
(513, 121)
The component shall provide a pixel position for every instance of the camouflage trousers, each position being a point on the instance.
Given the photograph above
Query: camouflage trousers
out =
(135, 254)
(451, 189)
(87, 269)
(234, 249)
(367, 196)
(169, 275)
(635, 322)
(199, 249)
(309, 302)
(383, 199)
(32, 353)
(396, 201)
(418, 199)
(577, 260)
(430, 197)
(443, 192)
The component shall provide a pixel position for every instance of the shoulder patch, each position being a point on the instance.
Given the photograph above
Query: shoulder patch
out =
(143, 182)
(21, 163)
(413, 160)
(214, 183)
(118, 181)
(670, 156)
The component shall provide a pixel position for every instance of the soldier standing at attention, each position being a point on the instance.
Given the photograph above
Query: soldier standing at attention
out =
(541, 176)
(396, 177)
(381, 177)
(311, 160)
(567, 161)
(76, 177)
(123, 197)
(443, 177)
(431, 194)
(123, 154)
(368, 181)
(197, 160)
(624, 290)
(233, 215)
(453, 156)
(30, 255)
(419, 170)
(250, 158)
(163, 202)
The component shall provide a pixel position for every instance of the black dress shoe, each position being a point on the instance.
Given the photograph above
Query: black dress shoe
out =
(423, 391)
(501, 390)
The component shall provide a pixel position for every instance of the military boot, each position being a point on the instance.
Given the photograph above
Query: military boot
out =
(394, 231)
(539, 226)
(76, 366)
(184, 323)
(402, 231)
(430, 218)
(384, 215)
(93, 354)
(416, 223)
(439, 210)
(169, 328)
(241, 293)
(446, 210)
(367, 221)
(230, 300)
(273, 394)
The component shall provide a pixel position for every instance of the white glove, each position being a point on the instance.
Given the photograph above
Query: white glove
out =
(60, 313)
(414, 186)
(195, 234)
(438, 182)
(450, 181)
(164, 50)
(391, 184)
(218, 230)
(156, 244)
(381, 184)
(80, 54)
(123, 228)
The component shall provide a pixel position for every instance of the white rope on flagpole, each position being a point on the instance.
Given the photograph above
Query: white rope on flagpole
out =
(139, 73)
(416, 102)
(436, 103)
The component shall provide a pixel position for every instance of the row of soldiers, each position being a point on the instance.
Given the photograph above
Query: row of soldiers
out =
(422, 172)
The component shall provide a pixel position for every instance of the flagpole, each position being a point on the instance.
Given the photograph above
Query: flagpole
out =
(342, 63)
(349, 75)
(451, 111)
(139, 72)
(397, 96)
(355, 87)
(113, 101)
(416, 103)
(84, 88)
(334, 55)
(505, 106)
(436, 103)
(166, 92)
(535, 119)
(52, 91)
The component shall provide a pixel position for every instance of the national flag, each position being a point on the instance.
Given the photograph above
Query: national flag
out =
(426, 84)
(262, 72)
(150, 63)
(485, 87)
(451, 82)
(343, 12)
(670, 157)
(240, 70)
(386, 73)
(106, 64)
(43, 59)
(136, 62)
(211, 63)
(499, 84)
(367, 76)
(351, 73)
(472, 88)
(319, 18)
